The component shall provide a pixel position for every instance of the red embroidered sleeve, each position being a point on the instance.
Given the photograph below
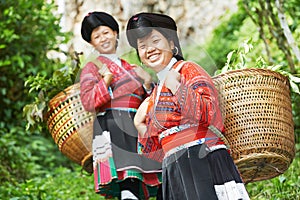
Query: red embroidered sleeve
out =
(93, 90)
(196, 96)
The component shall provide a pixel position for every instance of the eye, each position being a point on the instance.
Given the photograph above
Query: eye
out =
(142, 46)
(155, 41)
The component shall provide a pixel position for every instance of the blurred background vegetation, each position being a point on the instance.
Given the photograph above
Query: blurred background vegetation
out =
(31, 167)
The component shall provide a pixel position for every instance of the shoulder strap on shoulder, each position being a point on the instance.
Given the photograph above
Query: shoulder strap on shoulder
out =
(98, 63)
(179, 66)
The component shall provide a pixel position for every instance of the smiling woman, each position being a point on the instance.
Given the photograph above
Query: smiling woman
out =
(113, 90)
(181, 123)
(104, 39)
(154, 50)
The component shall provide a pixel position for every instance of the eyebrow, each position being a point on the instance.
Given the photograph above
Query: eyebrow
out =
(140, 40)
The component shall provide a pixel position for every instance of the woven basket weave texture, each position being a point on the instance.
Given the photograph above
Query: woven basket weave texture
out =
(71, 126)
(256, 107)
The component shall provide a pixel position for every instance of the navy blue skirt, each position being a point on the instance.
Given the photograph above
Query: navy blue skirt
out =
(195, 173)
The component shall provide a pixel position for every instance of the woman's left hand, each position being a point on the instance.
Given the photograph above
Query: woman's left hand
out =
(140, 117)
(143, 75)
(172, 80)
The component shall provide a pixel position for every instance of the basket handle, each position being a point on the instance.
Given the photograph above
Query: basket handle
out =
(216, 131)
(179, 66)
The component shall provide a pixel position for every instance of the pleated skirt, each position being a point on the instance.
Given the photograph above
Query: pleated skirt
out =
(115, 157)
(195, 173)
(107, 179)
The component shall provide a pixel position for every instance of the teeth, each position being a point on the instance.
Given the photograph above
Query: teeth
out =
(153, 57)
(105, 45)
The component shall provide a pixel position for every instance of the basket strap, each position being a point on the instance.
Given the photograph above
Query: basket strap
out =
(216, 131)
(98, 63)
(179, 66)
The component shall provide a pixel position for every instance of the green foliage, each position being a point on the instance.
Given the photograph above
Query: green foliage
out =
(274, 31)
(14, 169)
(46, 88)
(24, 155)
(239, 59)
(59, 184)
(225, 38)
(29, 31)
(266, 51)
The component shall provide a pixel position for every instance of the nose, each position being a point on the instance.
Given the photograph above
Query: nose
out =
(150, 49)
(102, 38)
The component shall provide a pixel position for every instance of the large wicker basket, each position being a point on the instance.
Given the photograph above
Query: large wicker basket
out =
(256, 107)
(71, 126)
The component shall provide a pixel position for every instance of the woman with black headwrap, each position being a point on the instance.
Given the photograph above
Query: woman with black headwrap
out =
(180, 123)
(114, 89)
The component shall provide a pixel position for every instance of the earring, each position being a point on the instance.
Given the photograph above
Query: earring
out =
(176, 51)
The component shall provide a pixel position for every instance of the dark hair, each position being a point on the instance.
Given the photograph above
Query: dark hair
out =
(95, 19)
(142, 24)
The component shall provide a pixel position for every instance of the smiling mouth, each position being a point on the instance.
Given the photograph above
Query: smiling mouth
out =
(153, 57)
(105, 45)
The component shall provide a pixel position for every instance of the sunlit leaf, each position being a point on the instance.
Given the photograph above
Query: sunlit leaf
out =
(294, 78)
(294, 87)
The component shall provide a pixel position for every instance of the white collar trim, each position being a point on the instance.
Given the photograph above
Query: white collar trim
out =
(163, 73)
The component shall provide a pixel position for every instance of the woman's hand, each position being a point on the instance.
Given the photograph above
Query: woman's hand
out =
(108, 78)
(104, 72)
(172, 80)
(103, 69)
(140, 117)
(143, 75)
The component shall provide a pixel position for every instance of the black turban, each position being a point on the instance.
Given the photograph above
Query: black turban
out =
(95, 19)
(142, 24)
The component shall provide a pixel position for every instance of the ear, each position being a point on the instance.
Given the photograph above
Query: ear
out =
(172, 45)
(116, 34)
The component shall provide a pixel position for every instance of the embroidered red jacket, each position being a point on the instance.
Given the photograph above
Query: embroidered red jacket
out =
(195, 103)
(125, 91)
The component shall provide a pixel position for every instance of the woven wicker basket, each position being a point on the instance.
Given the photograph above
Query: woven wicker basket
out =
(71, 126)
(256, 107)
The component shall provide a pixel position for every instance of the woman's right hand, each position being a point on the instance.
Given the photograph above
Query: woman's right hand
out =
(143, 75)
(140, 117)
(108, 78)
(104, 72)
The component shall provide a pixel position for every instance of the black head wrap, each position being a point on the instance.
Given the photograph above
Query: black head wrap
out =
(95, 19)
(141, 24)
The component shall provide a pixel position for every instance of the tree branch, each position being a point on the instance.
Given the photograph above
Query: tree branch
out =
(286, 30)
(261, 31)
(277, 33)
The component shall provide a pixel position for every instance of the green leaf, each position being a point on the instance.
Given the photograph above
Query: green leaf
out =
(229, 56)
(2, 46)
(276, 67)
(294, 78)
(294, 87)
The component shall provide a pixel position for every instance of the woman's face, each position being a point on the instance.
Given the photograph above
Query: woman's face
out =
(104, 40)
(155, 50)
